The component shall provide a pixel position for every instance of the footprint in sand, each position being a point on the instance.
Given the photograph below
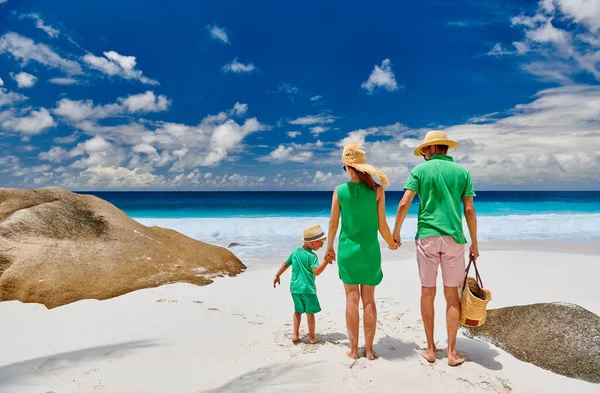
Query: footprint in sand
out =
(212, 309)
(89, 372)
(198, 301)
(166, 300)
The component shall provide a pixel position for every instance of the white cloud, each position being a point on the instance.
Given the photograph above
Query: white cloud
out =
(24, 80)
(136, 103)
(549, 42)
(1, 82)
(293, 134)
(56, 154)
(240, 109)
(118, 177)
(26, 50)
(284, 154)
(63, 81)
(497, 50)
(316, 119)
(3, 1)
(318, 130)
(381, 77)
(114, 64)
(35, 123)
(218, 33)
(67, 139)
(315, 98)
(238, 68)
(322, 177)
(39, 23)
(8, 98)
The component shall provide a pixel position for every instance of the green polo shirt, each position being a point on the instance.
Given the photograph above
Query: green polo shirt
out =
(303, 262)
(441, 184)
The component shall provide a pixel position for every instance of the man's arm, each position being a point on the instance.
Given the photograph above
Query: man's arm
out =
(471, 217)
(403, 207)
(281, 270)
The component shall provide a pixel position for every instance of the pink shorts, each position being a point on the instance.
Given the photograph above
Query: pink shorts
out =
(435, 250)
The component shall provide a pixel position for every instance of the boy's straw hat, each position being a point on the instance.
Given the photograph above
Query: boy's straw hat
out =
(313, 233)
(356, 158)
(436, 138)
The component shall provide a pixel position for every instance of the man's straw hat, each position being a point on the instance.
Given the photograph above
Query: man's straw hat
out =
(436, 138)
(356, 158)
(313, 233)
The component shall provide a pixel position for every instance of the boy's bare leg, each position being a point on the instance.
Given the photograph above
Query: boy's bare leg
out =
(297, 319)
(427, 314)
(311, 328)
(352, 318)
(367, 294)
(452, 316)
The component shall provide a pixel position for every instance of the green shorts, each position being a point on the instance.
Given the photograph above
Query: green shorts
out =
(306, 304)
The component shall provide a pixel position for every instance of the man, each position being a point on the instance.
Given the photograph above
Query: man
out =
(440, 184)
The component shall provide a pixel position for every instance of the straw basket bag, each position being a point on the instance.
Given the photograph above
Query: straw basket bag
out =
(474, 299)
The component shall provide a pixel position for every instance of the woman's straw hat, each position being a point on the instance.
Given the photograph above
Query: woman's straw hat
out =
(313, 233)
(436, 138)
(356, 158)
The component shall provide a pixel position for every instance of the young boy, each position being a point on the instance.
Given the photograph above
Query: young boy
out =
(305, 266)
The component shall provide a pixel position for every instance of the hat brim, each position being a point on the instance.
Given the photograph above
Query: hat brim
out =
(446, 142)
(313, 239)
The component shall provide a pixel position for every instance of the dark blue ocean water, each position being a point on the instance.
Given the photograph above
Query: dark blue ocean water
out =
(308, 204)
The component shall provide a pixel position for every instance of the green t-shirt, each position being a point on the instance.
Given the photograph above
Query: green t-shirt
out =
(303, 262)
(441, 184)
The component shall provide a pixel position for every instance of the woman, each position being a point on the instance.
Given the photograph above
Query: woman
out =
(361, 202)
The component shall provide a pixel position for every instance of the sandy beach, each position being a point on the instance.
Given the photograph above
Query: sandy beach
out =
(234, 335)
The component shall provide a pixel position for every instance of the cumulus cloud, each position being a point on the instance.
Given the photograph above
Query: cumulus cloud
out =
(218, 33)
(382, 77)
(137, 103)
(240, 109)
(36, 122)
(293, 134)
(56, 154)
(239, 68)
(318, 130)
(9, 98)
(315, 98)
(24, 79)
(39, 23)
(284, 154)
(114, 64)
(26, 50)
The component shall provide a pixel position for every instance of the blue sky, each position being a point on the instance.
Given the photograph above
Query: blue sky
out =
(262, 95)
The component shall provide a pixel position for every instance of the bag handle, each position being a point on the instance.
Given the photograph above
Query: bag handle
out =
(477, 276)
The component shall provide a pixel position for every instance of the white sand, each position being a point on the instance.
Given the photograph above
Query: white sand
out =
(233, 335)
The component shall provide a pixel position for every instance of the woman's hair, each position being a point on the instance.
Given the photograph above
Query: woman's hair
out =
(366, 178)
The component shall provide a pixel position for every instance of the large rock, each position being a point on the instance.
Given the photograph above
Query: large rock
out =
(58, 247)
(560, 337)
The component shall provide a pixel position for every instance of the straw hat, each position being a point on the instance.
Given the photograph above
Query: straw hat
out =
(356, 158)
(436, 138)
(313, 233)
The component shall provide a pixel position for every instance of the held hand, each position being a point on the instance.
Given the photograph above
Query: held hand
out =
(393, 246)
(330, 256)
(276, 281)
(396, 238)
(474, 251)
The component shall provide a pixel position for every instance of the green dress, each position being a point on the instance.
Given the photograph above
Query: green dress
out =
(359, 255)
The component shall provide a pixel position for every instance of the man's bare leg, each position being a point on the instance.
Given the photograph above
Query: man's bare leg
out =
(352, 318)
(452, 316)
(367, 294)
(297, 319)
(427, 314)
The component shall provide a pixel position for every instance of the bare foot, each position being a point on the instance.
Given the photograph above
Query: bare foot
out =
(295, 339)
(315, 341)
(352, 354)
(371, 355)
(454, 359)
(429, 355)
